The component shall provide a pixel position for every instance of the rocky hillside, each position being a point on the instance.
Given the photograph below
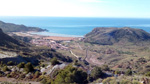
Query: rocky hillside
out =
(10, 27)
(109, 36)
(24, 51)
(7, 41)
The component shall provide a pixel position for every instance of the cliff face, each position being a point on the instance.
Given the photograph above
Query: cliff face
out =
(109, 36)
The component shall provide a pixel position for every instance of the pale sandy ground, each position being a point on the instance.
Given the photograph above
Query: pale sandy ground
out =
(4, 54)
(12, 80)
(57, 38)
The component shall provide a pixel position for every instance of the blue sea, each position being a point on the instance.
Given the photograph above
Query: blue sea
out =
(76, 26)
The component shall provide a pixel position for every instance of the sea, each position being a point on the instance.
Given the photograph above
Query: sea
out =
(75, 26)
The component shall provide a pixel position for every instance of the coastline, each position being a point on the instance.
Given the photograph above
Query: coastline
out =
(45, 33)
(59, 38)
(51, 36)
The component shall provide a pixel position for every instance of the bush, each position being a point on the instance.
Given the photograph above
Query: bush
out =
(108, 80)
(43, 65)
(117, 72)
(1, 74)
(147, 74)
(76, 63)
(8, 75)
(5, 68)
(22, 76)
(105, 68)
(21, 65)
(96, 72)
(37, 74)
(28, 67)
(1, 64)
(10, 63)
(136, 82)
(44, 73)
(46, 81)
(112, 80)
(128, 72)
(71, 75)
(54, 61)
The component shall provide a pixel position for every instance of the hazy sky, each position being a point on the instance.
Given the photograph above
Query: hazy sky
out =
(76, 8)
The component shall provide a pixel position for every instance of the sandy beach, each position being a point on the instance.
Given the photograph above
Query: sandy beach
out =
(56, 38)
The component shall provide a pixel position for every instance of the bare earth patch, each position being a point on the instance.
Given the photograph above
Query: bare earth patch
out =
(12, 80)
(93, 60)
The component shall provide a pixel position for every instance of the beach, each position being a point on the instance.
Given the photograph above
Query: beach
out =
(55, 38)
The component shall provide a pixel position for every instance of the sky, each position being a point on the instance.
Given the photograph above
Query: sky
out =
(76, 8)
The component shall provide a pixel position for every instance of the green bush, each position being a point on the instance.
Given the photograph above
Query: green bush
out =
(46, 81)
(105, 68)
(147, 74)
(96, 72)
(136, 82)
(112, 80)
(21, 65)
(128, 72)
(28, 67)
(76, 63)
(10, 63)
(5, 68)
(37, 73)
(117, 72)
(108, 80)
(8, 75)
(43, 65)
(22, 76)
(71, 75)
(54, 61)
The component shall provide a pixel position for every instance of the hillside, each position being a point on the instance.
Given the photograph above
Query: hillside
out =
(9, 44)
(109, 36)
(10, 27)
(119, 48)
(7, 41)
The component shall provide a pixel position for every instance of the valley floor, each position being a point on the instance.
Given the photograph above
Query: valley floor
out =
(118, 57)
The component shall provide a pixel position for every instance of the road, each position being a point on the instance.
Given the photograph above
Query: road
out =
(74, 54)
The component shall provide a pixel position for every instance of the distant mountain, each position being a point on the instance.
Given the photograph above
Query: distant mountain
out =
(10, 27)
(109, 36)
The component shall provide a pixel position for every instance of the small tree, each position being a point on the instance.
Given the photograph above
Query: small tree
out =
(28, 67)
(54, 61)
(96, 72)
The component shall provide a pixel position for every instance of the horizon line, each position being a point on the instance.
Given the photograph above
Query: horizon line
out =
(79, 17)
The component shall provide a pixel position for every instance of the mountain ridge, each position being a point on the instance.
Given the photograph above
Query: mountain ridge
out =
(10, 27)
(111, 35)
